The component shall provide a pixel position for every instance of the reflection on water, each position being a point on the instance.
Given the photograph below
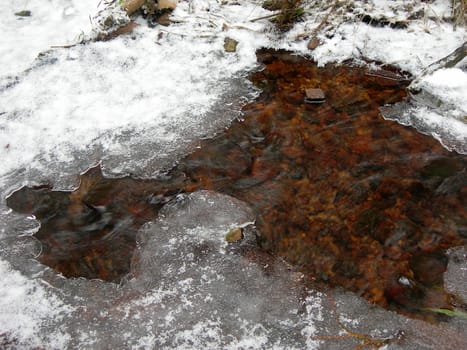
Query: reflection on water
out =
(348, 197)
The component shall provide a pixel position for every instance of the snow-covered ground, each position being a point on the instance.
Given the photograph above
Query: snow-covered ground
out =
(136, 104)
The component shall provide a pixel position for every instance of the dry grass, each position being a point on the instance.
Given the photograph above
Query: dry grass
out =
(459, 12)
(290, 11)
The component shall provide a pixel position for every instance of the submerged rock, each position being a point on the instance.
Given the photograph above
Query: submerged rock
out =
(314, 96)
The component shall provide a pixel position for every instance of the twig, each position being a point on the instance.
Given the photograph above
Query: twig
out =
(238, 26)
(325, 19)
(265, 17)
(63, 46)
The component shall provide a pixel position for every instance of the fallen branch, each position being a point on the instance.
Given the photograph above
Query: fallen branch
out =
(446, 62)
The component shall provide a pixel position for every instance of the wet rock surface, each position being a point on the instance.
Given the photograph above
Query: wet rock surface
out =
(349, 198)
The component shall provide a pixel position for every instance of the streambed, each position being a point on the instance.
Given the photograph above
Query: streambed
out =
(346, 197)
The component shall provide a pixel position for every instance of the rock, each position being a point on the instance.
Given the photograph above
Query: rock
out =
(230, 45)
(167, 4)
(24, 13)
(314, 96)
(108, 21)
(313, 43)
(126, 29)
(234, 235)
(131, 6)
(164, 20)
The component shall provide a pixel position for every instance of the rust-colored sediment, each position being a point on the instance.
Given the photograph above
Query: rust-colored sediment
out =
(348, 197)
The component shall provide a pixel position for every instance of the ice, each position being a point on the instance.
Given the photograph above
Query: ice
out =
(219, 294)
(27, 309)
(447, 129)
(455, 278)
(439, 109)
(188, 289)
(450, 87)
(85, 101)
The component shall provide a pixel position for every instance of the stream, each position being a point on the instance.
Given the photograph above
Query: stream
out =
(332, 199)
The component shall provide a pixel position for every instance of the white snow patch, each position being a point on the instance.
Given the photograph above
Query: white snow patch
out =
(450, 86)
(29, 314)
(52, 22)
(412, 50)
(93, 95)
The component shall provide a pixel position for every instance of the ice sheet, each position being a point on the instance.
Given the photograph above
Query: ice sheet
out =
(189, 289)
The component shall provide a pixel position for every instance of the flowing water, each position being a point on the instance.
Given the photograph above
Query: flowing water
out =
(347, 197)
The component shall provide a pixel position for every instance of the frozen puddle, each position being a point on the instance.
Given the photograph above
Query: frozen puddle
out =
(189, 290)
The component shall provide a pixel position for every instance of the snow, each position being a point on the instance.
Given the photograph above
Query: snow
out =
(27, 309)
(411, 50)
(450, 86)
(23, 38)
(111, 87)
(136, 104)
(120, 102)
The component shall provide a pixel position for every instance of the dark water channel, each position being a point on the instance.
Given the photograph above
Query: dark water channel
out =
(349, 198)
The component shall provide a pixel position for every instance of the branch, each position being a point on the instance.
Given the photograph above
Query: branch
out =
(265, 17)
(446, 62)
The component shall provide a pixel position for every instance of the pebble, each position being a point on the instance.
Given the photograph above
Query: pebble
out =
(234, 235)
(230, 45)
